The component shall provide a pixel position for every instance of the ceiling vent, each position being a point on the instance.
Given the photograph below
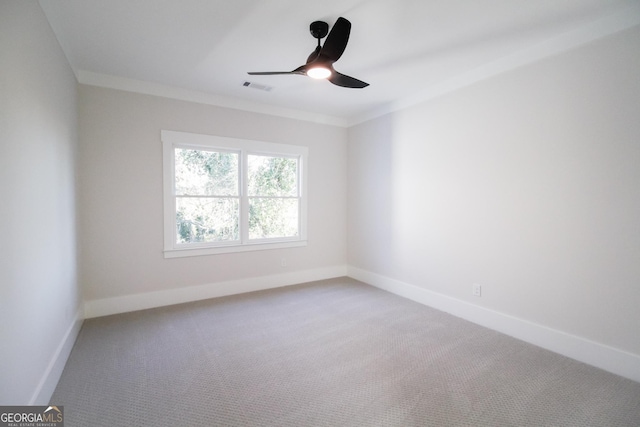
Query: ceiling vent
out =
(257, 86)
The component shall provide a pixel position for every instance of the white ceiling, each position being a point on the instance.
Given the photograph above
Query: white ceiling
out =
(407, 50)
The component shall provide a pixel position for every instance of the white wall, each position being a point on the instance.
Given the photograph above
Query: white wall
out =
(121, 201)
(39, 295)
(527, 183)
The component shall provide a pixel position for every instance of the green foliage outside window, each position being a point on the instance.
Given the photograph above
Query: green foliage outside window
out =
(207, 202)
(273, 202)
(208, 196)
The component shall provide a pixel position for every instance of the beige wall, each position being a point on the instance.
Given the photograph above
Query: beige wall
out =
(527, 183)
(121, 194)
(39, 293)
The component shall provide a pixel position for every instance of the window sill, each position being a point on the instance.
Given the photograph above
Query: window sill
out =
(187, 252)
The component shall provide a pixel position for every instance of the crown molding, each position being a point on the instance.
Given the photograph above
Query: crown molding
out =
(149, 88)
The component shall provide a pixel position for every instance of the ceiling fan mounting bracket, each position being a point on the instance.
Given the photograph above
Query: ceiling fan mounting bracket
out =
(319, 29)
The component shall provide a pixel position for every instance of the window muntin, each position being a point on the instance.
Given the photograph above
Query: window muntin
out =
(230, 195)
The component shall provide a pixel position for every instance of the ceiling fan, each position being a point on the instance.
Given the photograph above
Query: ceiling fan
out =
(319, 64)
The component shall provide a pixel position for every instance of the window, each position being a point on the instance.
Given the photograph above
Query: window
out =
(231, 195)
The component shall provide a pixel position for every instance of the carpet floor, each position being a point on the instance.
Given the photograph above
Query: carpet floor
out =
(328, 353)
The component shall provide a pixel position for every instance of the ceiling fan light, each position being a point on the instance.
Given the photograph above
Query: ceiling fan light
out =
(319, 72)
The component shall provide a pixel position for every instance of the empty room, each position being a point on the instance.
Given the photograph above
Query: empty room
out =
(330, 213)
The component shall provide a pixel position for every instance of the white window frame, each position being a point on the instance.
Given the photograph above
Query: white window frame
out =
(173, 139)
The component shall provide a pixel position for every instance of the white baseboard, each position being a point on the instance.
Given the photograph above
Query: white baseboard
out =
(595, 354)
(127, 303)
(51, 376)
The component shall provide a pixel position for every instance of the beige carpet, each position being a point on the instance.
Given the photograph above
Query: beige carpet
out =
(330, 353)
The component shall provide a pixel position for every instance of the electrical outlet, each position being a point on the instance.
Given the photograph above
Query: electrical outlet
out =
(476, 290)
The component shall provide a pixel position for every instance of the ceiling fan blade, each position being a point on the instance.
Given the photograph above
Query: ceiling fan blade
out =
(269, 73)
(337, 39)
(345, 81)
(314, 55)
(300, 70)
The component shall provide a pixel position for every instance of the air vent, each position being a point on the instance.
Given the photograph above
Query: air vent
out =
(257, 86)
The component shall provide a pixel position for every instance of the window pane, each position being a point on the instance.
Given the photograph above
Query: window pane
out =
(206, 219)
(273, 217)
(206, 173)
(272, 176)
